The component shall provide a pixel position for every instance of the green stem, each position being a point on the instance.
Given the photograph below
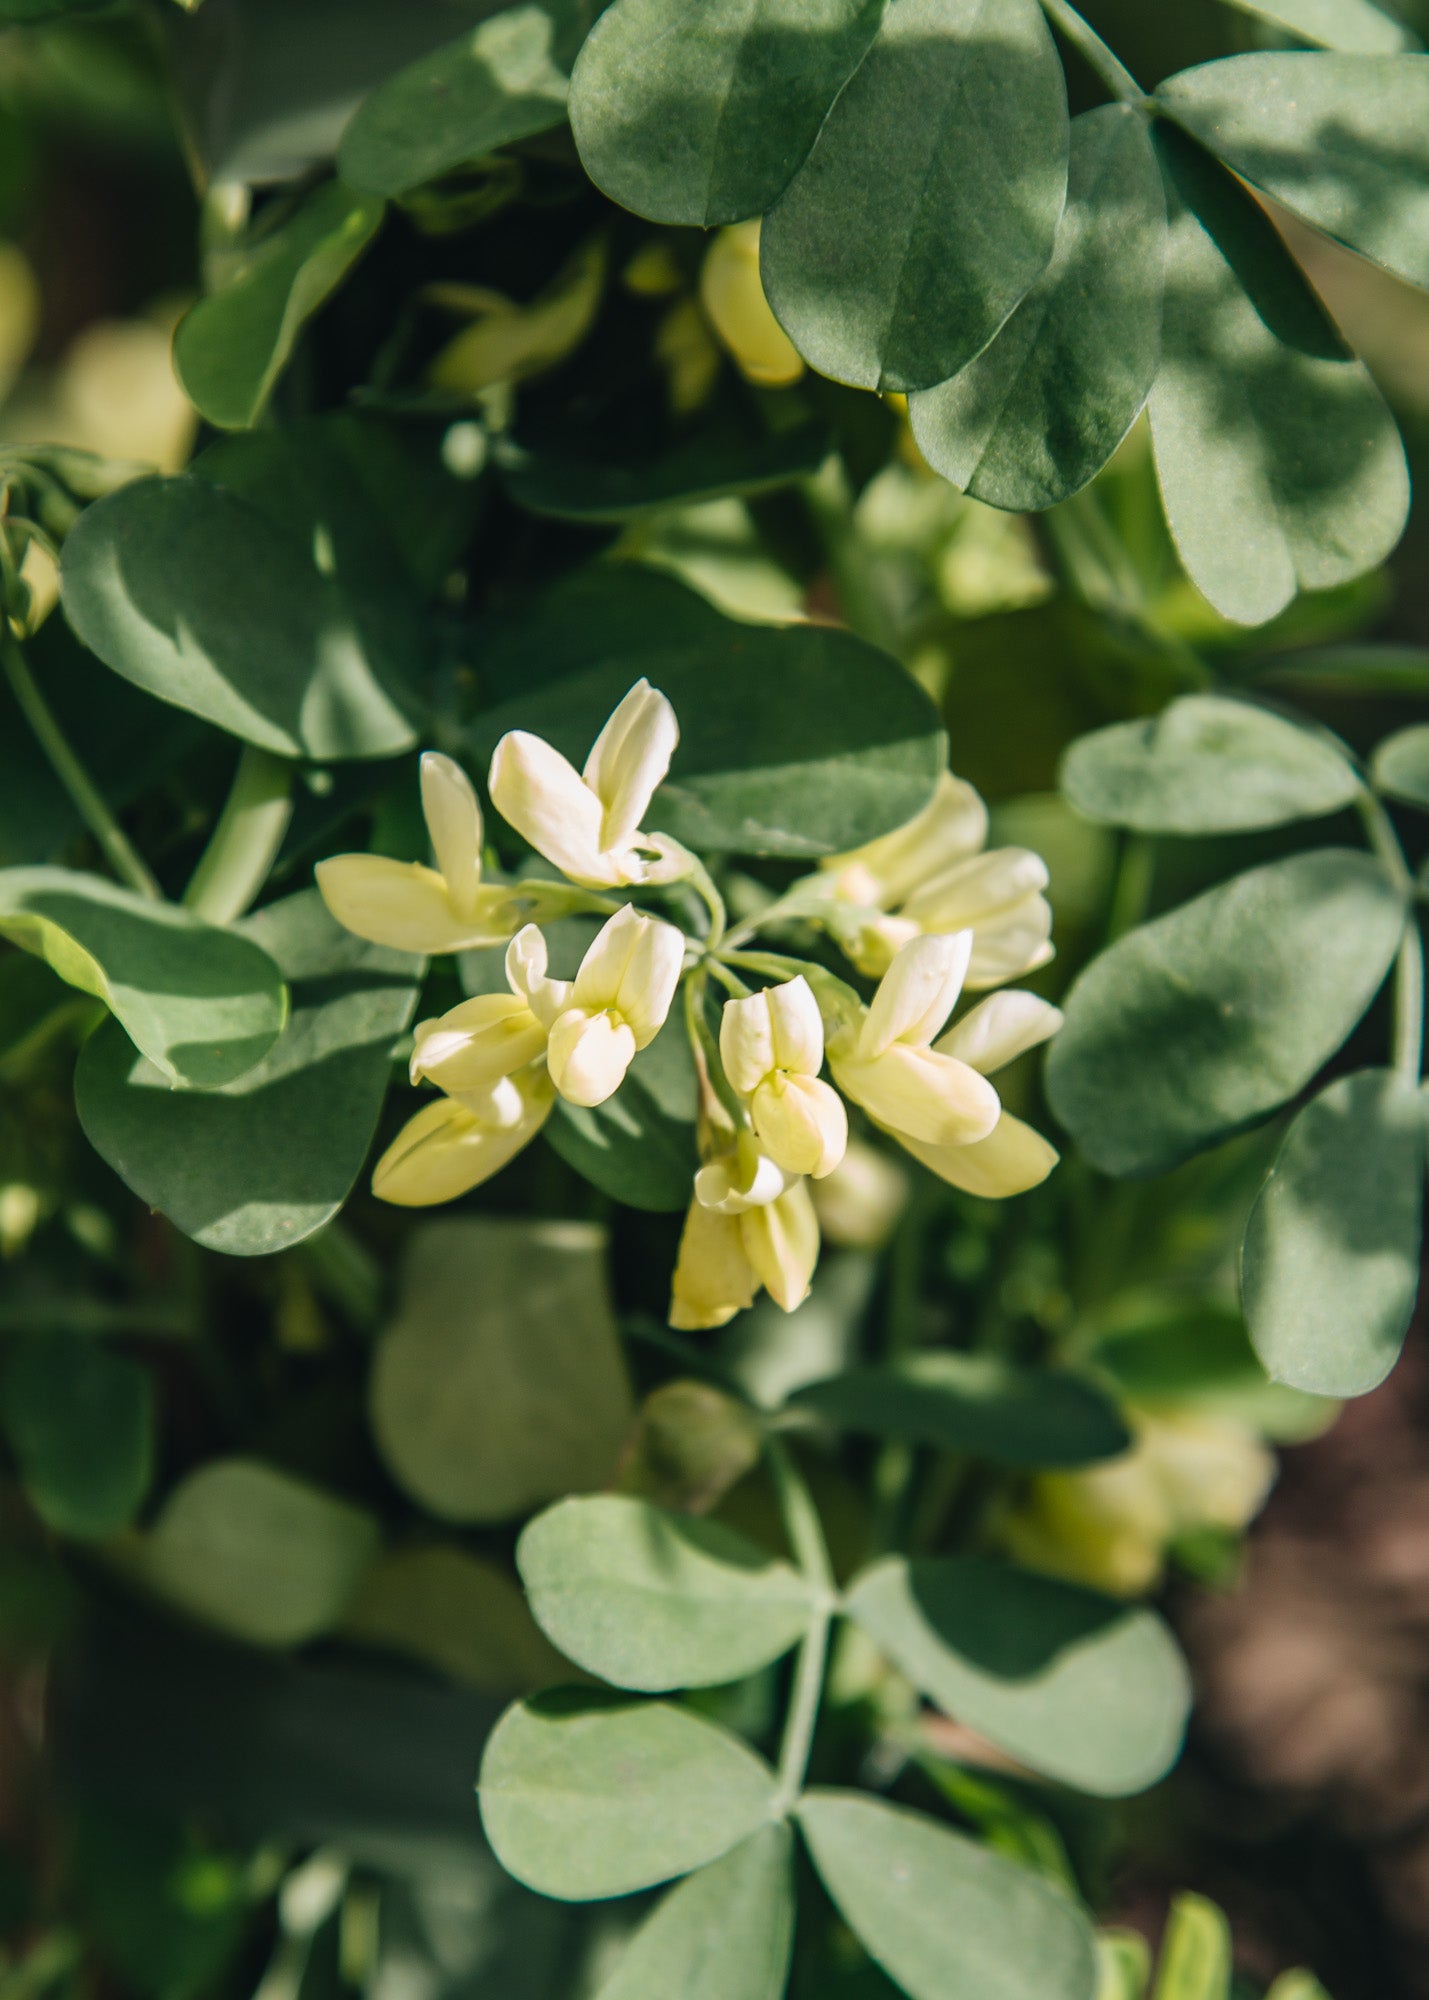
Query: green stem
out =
(1408, 1035)
(1094, 51)
(244, 844)
(702, 882)
(84, 794)
(705, 1046)
(1131, 888)
(806, 1539)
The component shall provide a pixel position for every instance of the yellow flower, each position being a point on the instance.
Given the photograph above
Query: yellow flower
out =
(510, 342)
(414, 908)
(883, 1058)
(615, 1006)
(1013, 1157)
(729, 1249)
(478, 1042)
(772, 1047)
(733, 296)
(858, 1206)
(713, 1279)
(459, 1142)
(588, 823)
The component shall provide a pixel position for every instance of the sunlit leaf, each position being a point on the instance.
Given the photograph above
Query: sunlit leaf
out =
(1401, 766)
(1355, 26)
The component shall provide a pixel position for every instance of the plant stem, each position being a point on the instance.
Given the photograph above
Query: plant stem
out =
(702, 882)
(1408, 1038)
(84, 794)
(806, 1539)
(244, 844)
(1094, 51)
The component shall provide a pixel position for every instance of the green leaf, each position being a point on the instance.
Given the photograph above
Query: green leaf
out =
(711, 465)
(1354, 26)
(1280, 466)
(639, 1146)
(1195, 1953)
(584, 1797)
(480, 1412)
(798, 742)
(80, 1421)
(655, 1601)
(232, 346)
(1199, 1356)
(262, 1163)
(501, 81)
(1341, 139)
(1297, 1985)
(976, 1403)
(1207, 764)
(1330, 1268)
(1350, 671)
(457, 1613)
(257, 1553)
(1079, 1686)
(204, 1005)
(1203, 1022)
(943, 1917)
(705, 116)
(44, 10)
(1047, 402)
(246, 618)
(1401, 766)
(930, 202)
(724, 1933)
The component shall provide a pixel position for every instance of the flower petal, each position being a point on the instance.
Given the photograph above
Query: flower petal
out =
(1016, 944)
(588, 1055)
(746, 1042)
(652, 973)
(477, 1043)
(801, 1123)
(950, 828)
(742, 1179)
(975, 891)
(453, 816)
(781, 1241)
(403, 904)
(628, 761)
(541, 795)
(917, 993)
(912, 1091)
(999, 1029)
(713, 1277)
(1010, 1160)
(526, 975)
(797, 1026)
(447, 1149)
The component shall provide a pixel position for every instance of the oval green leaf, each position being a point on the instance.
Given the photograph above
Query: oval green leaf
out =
(799, 741)
(263, 1162)
(712, 465)
(639, 1146)
(204, 1005)
(199, 597)
(929, 205)
(1330, 1267)
(1207, 764)
(975, 1403)
(655, 1601)
(80, 1421)
(1280, 466)
(704, 116)
(583, 1797)
(460, 1614)
(1047, 402)
(1353, 26)
(1208, 1019)
(1401, 766)
(482, 1413)
(1081, 1687)
(1341, 139)
(945, 1918)
(232, 346)
(724, 1933)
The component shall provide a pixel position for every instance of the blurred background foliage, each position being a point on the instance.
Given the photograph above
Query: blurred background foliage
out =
(257, 1608)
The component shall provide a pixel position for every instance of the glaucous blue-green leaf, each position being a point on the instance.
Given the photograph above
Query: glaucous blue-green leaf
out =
(264, 1161)
(1081, 1687)
(257, 1553)
(798, 742)
(461, 1614)
(80, 1421)
(204, 1005)
(584, 1796)
(1047, 402)
(976, 1403)
(1279, 464)
(1401, 766)
(1330, 1267)
(945, 1918)
(639, 1146)
(703, 115)
(500, 1385)
(655, 1601)
(232, 346)
(1341, 139)
(205, 599)
(724, 1933)
(929, 205)
(501, 81)
(712, 465)
(1207, 764)
(1356, 27)
(1204, 1021)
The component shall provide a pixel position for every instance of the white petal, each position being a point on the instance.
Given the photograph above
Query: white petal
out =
(403, 904)
(743, 1179)
(597, 983)
(447, 1149)
(713, 1278)
(927, 1096)
(652, 973)
(999, 1029)
(1014, 945)
(526, 975)
(746, 1042)
(801, 1123)
(477, 1043)
(453, 816)
(629, 759)
(781, 1241)
(797, 1026)
(974, 892)
(588, 1055)
(951, 827)
(917, 993)
(1010, 1160)
(541, 795)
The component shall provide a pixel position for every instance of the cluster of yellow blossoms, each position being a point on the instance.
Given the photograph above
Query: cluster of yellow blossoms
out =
(926, 909)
